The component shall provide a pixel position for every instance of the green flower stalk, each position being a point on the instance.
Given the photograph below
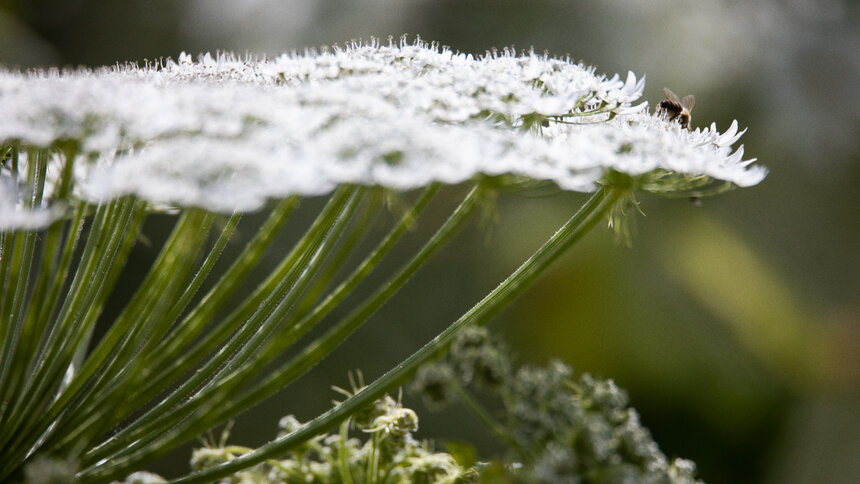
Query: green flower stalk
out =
(86, 155)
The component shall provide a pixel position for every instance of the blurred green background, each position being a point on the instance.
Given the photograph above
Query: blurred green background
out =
(735, 325)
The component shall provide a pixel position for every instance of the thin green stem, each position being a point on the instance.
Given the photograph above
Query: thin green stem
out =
(373, 460)
(110, 240)
(314, 352)
(22, 259)
(35, 323)
(173, 359)
(149, 374)
(61, 275)
(360, 227)
(45, 297)
(21, 265)
(226, 406)
(204, 270)
(106, 371)
(343, 458)
(325, 344)
(227, 284)
(357, 276)
(5, 278)
(211, 377)
(137, 323)
(190, 289)
(83, 289)
(588, 216)
(46, 305)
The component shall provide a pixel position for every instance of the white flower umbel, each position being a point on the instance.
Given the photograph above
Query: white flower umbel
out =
(85, 154)
(227, 134)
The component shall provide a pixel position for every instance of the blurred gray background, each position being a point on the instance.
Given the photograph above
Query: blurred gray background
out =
(734, 325)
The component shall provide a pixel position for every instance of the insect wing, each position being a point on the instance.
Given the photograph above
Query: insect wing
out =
(671, 96)
(688, 102)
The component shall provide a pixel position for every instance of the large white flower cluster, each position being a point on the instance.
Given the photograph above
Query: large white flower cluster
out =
(227, 134)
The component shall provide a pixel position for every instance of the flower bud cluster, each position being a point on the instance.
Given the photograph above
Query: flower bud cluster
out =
(563, 428)
(390, 449)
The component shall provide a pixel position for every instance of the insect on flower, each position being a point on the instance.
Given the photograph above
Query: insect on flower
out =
(674, 109)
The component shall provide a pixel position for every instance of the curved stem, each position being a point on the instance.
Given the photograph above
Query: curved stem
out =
(593, 210)
(227, 405)
(13, 312)
(183, 348)
(212, 376)
(343, 459)
(108, 246)
(120, 382)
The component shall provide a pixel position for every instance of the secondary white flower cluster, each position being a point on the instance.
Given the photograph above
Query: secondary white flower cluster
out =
(227, 134)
